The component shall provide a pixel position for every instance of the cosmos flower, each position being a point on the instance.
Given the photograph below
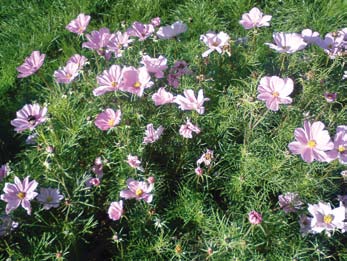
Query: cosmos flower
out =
(118, 42)
(310, 36)
(340, 145)
(79, 25)
(98, 167)
(312, 142)
(287, 42)
(155, 21)
(49, 197)
(151, 134)
(138, 190)
(254, 217)
(142, 31)
(171, 31)
(136, 80)
(255, 18)
(29, 117)
(162, 97)
(80, 60)
(330, 96)
(19, 193)
(305, 225)
(275, 91)
(93, 182)
(187, 129)
(333, 44)
(134, 162)
(108, 119)
(99, 41)
(205, 158)
(67, 74)
(31, 64)
(109, 80)
(115, 211)
(198, 171)
(289, 202)
(190, 102)
(215, 42)
(155, 65)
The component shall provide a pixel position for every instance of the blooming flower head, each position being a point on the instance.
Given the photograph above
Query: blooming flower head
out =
(199, 171)
(49, 197)
(162, 97)
(206, 158)
(310, 36)
(4, 170)
(326, 218)
(115, 211)
(215, 42)
(109, 80)
(118, 42)
(31, 64)
(155, 65)
(187, 129)
(289, 202)
(98, 167)
(99, 40)
(134, 162)
(340, 145)
(190, 102)
(142, 31)
(330, 96)
(155, 21)
(333, 44)
(171, 31)
(287, 42)
(108, 119)
(312, 142)
(136, 80)
(151, 180)
(138, 190)
(254, 217)
(254, 19)
(79, 25)
(275, 91)
(29, 117)
(80, 60)
(19, 193)
(67, 74)
(93, 182)
(151, 134)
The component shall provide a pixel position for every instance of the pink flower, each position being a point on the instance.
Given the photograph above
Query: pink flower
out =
(151, 180)
(152, 135)
(326, 218)
(138, 190)
(312, 142)
(215, 42)
(162, 97)
(309, 36)
(340, 145)
(289, 202)
(134, 162)
(305, 225)
(330, 96)
(206, 158)
(155, 65)
(274, 91)
(287, 42)
(29, 117)
(108, 119)
(187, 129)
(155, 21)
(98, 167)
(171, 31)
(99, 40)
(199, 171)
(109, 80)
(136, 80)
(118, 42)
(93, 182)
(255, 18)
(49, 197)
(31, 64)
(4, 170)
(79, 25)
(190, 102)
(333, 44)
(254, 217)
(115, 211)
(142, 31)
(80, 60)
(67, 74)
(19, 193)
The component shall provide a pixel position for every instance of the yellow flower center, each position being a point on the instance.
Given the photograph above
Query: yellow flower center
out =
(114, 84)
(139, 192)
(275, 94)
(341, 149)
(208, 156)
(137, 84)
(49, 199)
(68, 76)
(111, 122)
(215, 44)
(311, 144)
(21, 195)
(328, 219)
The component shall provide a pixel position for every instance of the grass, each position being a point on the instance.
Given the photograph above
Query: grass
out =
(189, 214)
